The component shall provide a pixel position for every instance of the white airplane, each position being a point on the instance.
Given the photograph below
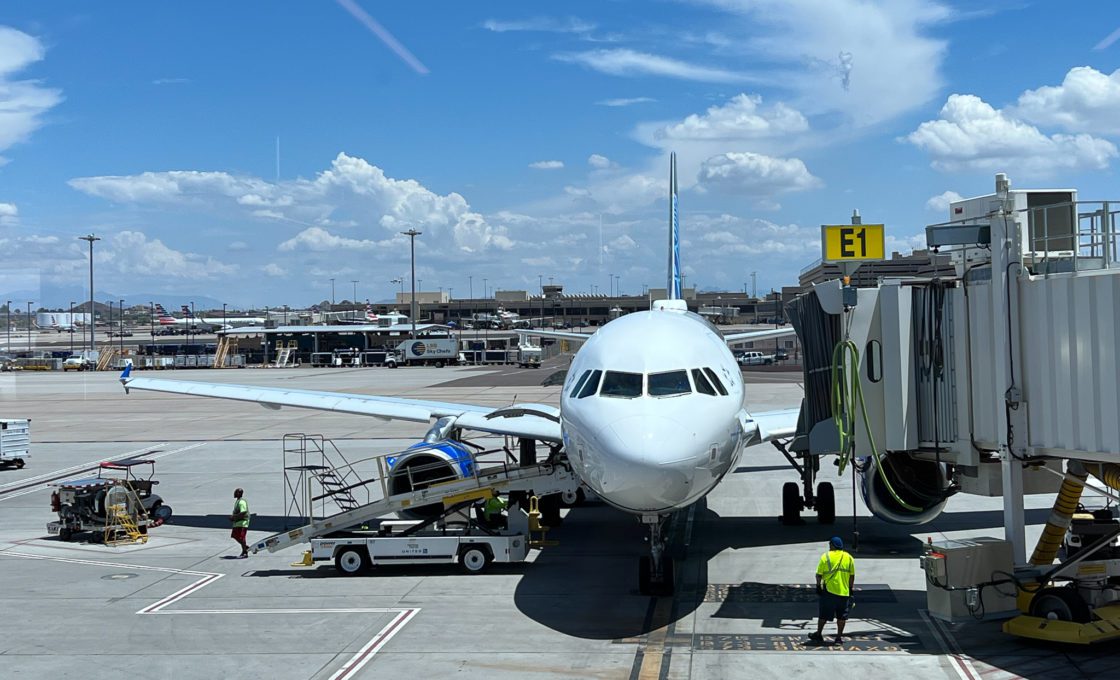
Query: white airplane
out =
(651, 416)
(188, 319)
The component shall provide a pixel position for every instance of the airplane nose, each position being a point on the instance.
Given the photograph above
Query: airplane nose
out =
(651, 463)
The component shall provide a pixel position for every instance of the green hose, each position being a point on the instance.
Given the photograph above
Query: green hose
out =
(846, 393)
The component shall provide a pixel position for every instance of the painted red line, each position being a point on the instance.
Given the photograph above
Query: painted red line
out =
(358, 660)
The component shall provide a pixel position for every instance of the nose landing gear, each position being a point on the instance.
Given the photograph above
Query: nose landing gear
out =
(795, 499)
(655, 571)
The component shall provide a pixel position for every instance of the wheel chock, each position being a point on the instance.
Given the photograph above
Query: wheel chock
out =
(306, 561)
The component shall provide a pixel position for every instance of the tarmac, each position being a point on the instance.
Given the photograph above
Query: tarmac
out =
(181, 607)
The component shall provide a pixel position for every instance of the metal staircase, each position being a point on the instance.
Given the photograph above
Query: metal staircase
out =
(312, 458)
(541, 479)
(284, 354)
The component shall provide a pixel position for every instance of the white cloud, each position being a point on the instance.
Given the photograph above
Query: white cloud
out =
(171, 81)
(622, 243)
(625, 101)
(350, 191)
(715, 237)
(133, 253)
(274, 270)
(941, 202)
(540, 24)
(870, 61)
(320, 240)
(9, 214)
(547, 165)
(237, 246)
(755, 175)
(22, 102)
(1086, 101)
(972, 135)
(598, 162)
(742, 118)
(627, 62)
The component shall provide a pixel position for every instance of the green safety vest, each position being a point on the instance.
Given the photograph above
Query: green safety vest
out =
(494, 505)
(239, 506)
(836, 569)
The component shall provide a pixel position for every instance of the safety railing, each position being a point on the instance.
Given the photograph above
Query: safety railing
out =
(1091, 244)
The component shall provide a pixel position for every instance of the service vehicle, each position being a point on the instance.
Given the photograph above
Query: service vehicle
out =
(76, 363)
(15, 442)
(474, 549)
(435, 351)
(529, 356)
(755, 359)
(83, 504)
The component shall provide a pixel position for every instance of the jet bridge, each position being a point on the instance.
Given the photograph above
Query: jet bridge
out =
(427, 485)
(973, 382)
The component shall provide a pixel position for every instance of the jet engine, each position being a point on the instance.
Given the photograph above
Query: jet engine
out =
(920, 484)
(427, 463)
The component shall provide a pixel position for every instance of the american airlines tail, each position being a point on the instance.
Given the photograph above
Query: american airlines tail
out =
(673, 285)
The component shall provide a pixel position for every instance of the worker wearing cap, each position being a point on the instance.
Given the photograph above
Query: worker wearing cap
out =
(836, 574)
(240, 519)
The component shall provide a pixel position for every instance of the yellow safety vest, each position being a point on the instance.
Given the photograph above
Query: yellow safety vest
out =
(836, 569)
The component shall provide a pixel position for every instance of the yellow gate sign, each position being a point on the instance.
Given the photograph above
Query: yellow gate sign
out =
(852, 242)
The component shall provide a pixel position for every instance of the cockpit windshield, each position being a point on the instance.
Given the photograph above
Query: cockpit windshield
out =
(621, 385)
(669, 384)
(590, 384)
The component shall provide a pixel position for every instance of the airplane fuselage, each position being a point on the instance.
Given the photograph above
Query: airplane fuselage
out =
(652, 431)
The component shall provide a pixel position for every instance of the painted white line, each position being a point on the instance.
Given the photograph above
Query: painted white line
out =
(41, 487)
(348, 670)
(79, 466)
(958, 660)
(366, 653)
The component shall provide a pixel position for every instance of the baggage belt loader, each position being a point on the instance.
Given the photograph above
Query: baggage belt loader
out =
(448, 537)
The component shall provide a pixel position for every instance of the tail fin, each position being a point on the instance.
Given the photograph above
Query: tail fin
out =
(673, 285)
(186, 311)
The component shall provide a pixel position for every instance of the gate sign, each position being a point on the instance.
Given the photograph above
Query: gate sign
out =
(852, 242)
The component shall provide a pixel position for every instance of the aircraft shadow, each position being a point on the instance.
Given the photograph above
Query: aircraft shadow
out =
(269, 523)
(586, 586)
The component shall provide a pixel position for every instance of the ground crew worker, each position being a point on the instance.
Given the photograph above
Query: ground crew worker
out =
(492, 510)
(240, 519)
(836, 574)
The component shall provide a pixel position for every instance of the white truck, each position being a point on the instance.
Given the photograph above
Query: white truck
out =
(472, 550)
(435, 351)
(15, 442)
(755, 359)
(529, 356)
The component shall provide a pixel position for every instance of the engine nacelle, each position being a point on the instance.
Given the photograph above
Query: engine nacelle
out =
(920, 483)
(427, 463)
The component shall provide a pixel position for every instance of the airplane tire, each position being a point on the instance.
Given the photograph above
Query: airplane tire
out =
(791, 503)
(645, 570)
(668, 582)
(826, 503)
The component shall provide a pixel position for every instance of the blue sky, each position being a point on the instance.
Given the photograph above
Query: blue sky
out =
(506, 133)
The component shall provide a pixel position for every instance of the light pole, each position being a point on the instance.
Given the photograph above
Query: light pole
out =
(91, 238)
(355, 290)
(152, 320)
(120, 307)
(110, 331)
(193, 321)
(332, 292)
(29, 325)
(224, 324)
(71, 327)
(412, 234)
(470, 283)
(540, 282)
(264, 336)
(8, 342)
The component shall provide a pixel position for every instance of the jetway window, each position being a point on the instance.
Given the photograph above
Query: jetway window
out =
(874, 357)
(590, 385)
(669, 384)
(703, 385)
(622, 385)
(715, 380)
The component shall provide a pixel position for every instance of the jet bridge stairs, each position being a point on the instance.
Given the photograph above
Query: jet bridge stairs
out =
(452, 486)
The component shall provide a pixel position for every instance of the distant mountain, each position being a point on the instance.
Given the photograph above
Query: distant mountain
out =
(60, 297)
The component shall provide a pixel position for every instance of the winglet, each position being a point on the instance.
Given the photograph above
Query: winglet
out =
(125, 376)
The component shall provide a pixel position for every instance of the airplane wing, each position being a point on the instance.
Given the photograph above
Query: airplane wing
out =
(759, 335)
(559, 335)
(530, 421)
(765, 426)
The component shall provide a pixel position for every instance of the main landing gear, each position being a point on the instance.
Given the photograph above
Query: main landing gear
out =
(795, 498)
(655, 571)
